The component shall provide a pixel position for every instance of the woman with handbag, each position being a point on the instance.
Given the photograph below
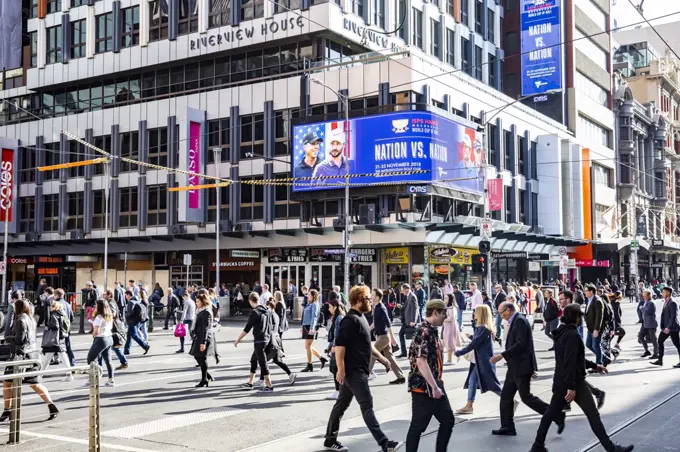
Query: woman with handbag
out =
(479, 351)
(203, 344)
(188, 314)
(54, 338)
(102, 326)
(310, 326)
(22, 342)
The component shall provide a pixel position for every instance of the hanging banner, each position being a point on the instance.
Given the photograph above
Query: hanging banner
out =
(540, 46)
(495, 189)
(8, 185)
(192, 158)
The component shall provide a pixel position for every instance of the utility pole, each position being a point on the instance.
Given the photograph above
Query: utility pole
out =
(634, 249)
(107, 179)
(218, 158)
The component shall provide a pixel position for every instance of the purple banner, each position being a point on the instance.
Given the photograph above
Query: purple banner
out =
(194, 163)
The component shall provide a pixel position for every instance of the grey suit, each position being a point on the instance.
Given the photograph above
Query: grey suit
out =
(648, 329)
(411, 308)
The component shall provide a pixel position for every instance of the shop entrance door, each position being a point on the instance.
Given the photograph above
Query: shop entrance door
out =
(325, 276)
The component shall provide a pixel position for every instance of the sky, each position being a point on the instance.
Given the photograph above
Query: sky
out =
(625, 14)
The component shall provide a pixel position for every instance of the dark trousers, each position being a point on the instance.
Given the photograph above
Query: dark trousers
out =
(647, 336)
(620, 332)
(675, 338)
(423, 407)
(101, 346)
(355, 385)
(402, 340)
(69, 350)
(259, 357)
(41, 315)
(550, 326)
(188, 324)
(203, 364)
(584, 399)
(170, 314)
(512, 385)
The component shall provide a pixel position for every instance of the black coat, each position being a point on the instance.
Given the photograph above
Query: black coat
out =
(57, 321)
(203, 334)
(551, 310)
(669, 316)
(498, 299)
(570, 358)
(519, 348)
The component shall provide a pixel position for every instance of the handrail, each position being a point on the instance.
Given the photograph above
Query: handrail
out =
(23, 362)
(38, 373)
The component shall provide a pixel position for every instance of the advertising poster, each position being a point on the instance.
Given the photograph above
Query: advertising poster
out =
(373, 147)
(540, 48)
(9, 188)
(495, 188)
(192, 158)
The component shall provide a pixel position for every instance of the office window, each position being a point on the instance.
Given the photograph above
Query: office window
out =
(27, 163)
(402, 18)
(600, 210)
(417, 37)
(284, 207)
(282, 6)
(130, 21)
(76, 206)
(450, 47)
(158, 22)
(492, 145)
(53, 6)
(522, 155)
(589, 49)
(435, 38)
(219, 13)
(128, 207)
(218, 137)
(479, 12)
(492, 70)
(252, 9)
(464, 11)
(252, 136)
(490, 25)
(252, 197)
(188, 18)
(158, 146)
(51, 211)
(99, 209)
(76, 3)
(509, 146)
(595, 132)
(358, 7)
(129, 148)
(379, 13)
(103, 142)
(589, 88)
(282, 123)
(157, 196)
(34, 9)
(27, 214)
(76, 153)
(593, 12)
(534, 157)
(478, 63)
(104, 37)
(51, 158)
(212, 204)
(34, 49)
(78, 38)
(603, 175)
(465, 55)
(53, 47)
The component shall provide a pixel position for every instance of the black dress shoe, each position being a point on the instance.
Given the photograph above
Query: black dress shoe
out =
(398, 381)
(658, 362)
(646, 354)
(600, 399)
(535, 448)
(54, 411)
(401, 356)
(503, 431)
(620, 448)
(560, 424)
(202, 384)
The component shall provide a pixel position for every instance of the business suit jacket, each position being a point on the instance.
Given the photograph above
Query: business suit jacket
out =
(649, 315)
(594, 316)
(411, 309)
(669, 316)
(519, 348)
(499, 298)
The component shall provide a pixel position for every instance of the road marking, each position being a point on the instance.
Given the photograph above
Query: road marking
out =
(84, 442)
(172, 422)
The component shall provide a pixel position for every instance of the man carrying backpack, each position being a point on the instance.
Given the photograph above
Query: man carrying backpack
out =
(260, 321)
(133, 318)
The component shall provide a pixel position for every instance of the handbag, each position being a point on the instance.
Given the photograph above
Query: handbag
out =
(118, 340)
(50, 338)
(409, 331)
(180, 330)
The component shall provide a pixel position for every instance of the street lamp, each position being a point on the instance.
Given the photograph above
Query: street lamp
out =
(348, 223)
(218, 188)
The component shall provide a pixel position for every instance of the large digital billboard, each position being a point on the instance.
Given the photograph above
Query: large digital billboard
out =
(375, 146)
(541, 46)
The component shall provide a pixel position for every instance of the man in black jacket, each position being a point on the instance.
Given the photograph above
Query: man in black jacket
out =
(261, 322)
(670, 326)
(594, 321)
(569, 382)
(521, 358)
(499, 299)
(171, 308)
(550, 314)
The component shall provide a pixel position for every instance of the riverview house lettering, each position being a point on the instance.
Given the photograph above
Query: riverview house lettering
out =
(237, 34)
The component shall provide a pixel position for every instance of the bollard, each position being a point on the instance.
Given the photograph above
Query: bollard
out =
(94, 424)
(15, 413)
(81, 329)
(150, 325)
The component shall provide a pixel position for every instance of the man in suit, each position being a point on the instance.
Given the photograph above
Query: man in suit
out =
(521, 359)
(499, 299)
(670, 326)
(409, 316)
(594, 319)
(649, 325)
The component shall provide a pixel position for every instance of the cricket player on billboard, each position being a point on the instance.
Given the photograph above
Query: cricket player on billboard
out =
(336, 161)
(306, 164)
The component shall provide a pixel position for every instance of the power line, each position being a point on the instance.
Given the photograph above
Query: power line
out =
(639, 10)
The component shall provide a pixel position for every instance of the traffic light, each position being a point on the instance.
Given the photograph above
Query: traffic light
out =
(479, 263)
(484, 246)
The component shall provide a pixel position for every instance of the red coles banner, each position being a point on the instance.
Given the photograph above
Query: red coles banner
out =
(6, 184)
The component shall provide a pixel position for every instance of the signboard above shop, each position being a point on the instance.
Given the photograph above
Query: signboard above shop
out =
(396, 255)
(358, 255)
(288, 255)
(388, 148)
(452, 255)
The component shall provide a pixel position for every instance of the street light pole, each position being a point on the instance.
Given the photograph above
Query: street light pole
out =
(107, 175)
(218, 158)
(4, 256)
(348, 219)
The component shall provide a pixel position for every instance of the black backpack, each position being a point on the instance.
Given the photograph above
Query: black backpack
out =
(607, 316)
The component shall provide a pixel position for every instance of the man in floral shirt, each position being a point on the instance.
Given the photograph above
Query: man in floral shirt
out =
(425, 380)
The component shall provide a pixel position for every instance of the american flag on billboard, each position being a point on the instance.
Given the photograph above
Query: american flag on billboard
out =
(321, 130)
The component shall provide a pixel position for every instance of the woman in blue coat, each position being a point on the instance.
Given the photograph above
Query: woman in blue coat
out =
(482, 373)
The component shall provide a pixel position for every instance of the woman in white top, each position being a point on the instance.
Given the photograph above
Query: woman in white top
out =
(103, 340)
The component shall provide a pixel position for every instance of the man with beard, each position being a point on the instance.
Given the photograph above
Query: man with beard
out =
(334, 164)
(310, 144)
(353, 351)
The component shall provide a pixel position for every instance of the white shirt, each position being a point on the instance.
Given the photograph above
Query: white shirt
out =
(476, 298)
(264, 298)
(104, 326)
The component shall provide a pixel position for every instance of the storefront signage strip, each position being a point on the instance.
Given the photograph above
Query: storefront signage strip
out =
(396, 255)
(245, 254)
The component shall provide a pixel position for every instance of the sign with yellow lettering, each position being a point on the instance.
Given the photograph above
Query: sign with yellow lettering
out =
(451, 255)
(396, 256)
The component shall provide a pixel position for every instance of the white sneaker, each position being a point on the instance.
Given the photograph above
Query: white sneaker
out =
(333, 395)
(372, 376)
(291, 378)
(110, 383)
(69, 377)
(258, 384)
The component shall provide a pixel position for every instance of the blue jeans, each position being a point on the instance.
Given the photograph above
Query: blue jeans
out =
(593, 344)
(498, 325)
(143, 333)
(460, 319)
(550, 326)
(101, 348)
(133, 333)
(69, 350)
(580, 330)
(473, 383)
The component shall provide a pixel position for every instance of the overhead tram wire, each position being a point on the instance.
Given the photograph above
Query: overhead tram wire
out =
(639, 10)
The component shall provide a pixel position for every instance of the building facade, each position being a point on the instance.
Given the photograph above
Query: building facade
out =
(128, 77)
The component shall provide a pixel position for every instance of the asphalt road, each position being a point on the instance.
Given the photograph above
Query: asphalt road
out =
(155, 407)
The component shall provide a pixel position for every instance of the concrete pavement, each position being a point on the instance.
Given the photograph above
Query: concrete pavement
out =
(155, 407)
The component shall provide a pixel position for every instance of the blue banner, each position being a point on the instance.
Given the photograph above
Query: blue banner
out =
(375, 146)
(541, 47)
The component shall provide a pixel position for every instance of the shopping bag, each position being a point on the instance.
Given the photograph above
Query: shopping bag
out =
(180, 330)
